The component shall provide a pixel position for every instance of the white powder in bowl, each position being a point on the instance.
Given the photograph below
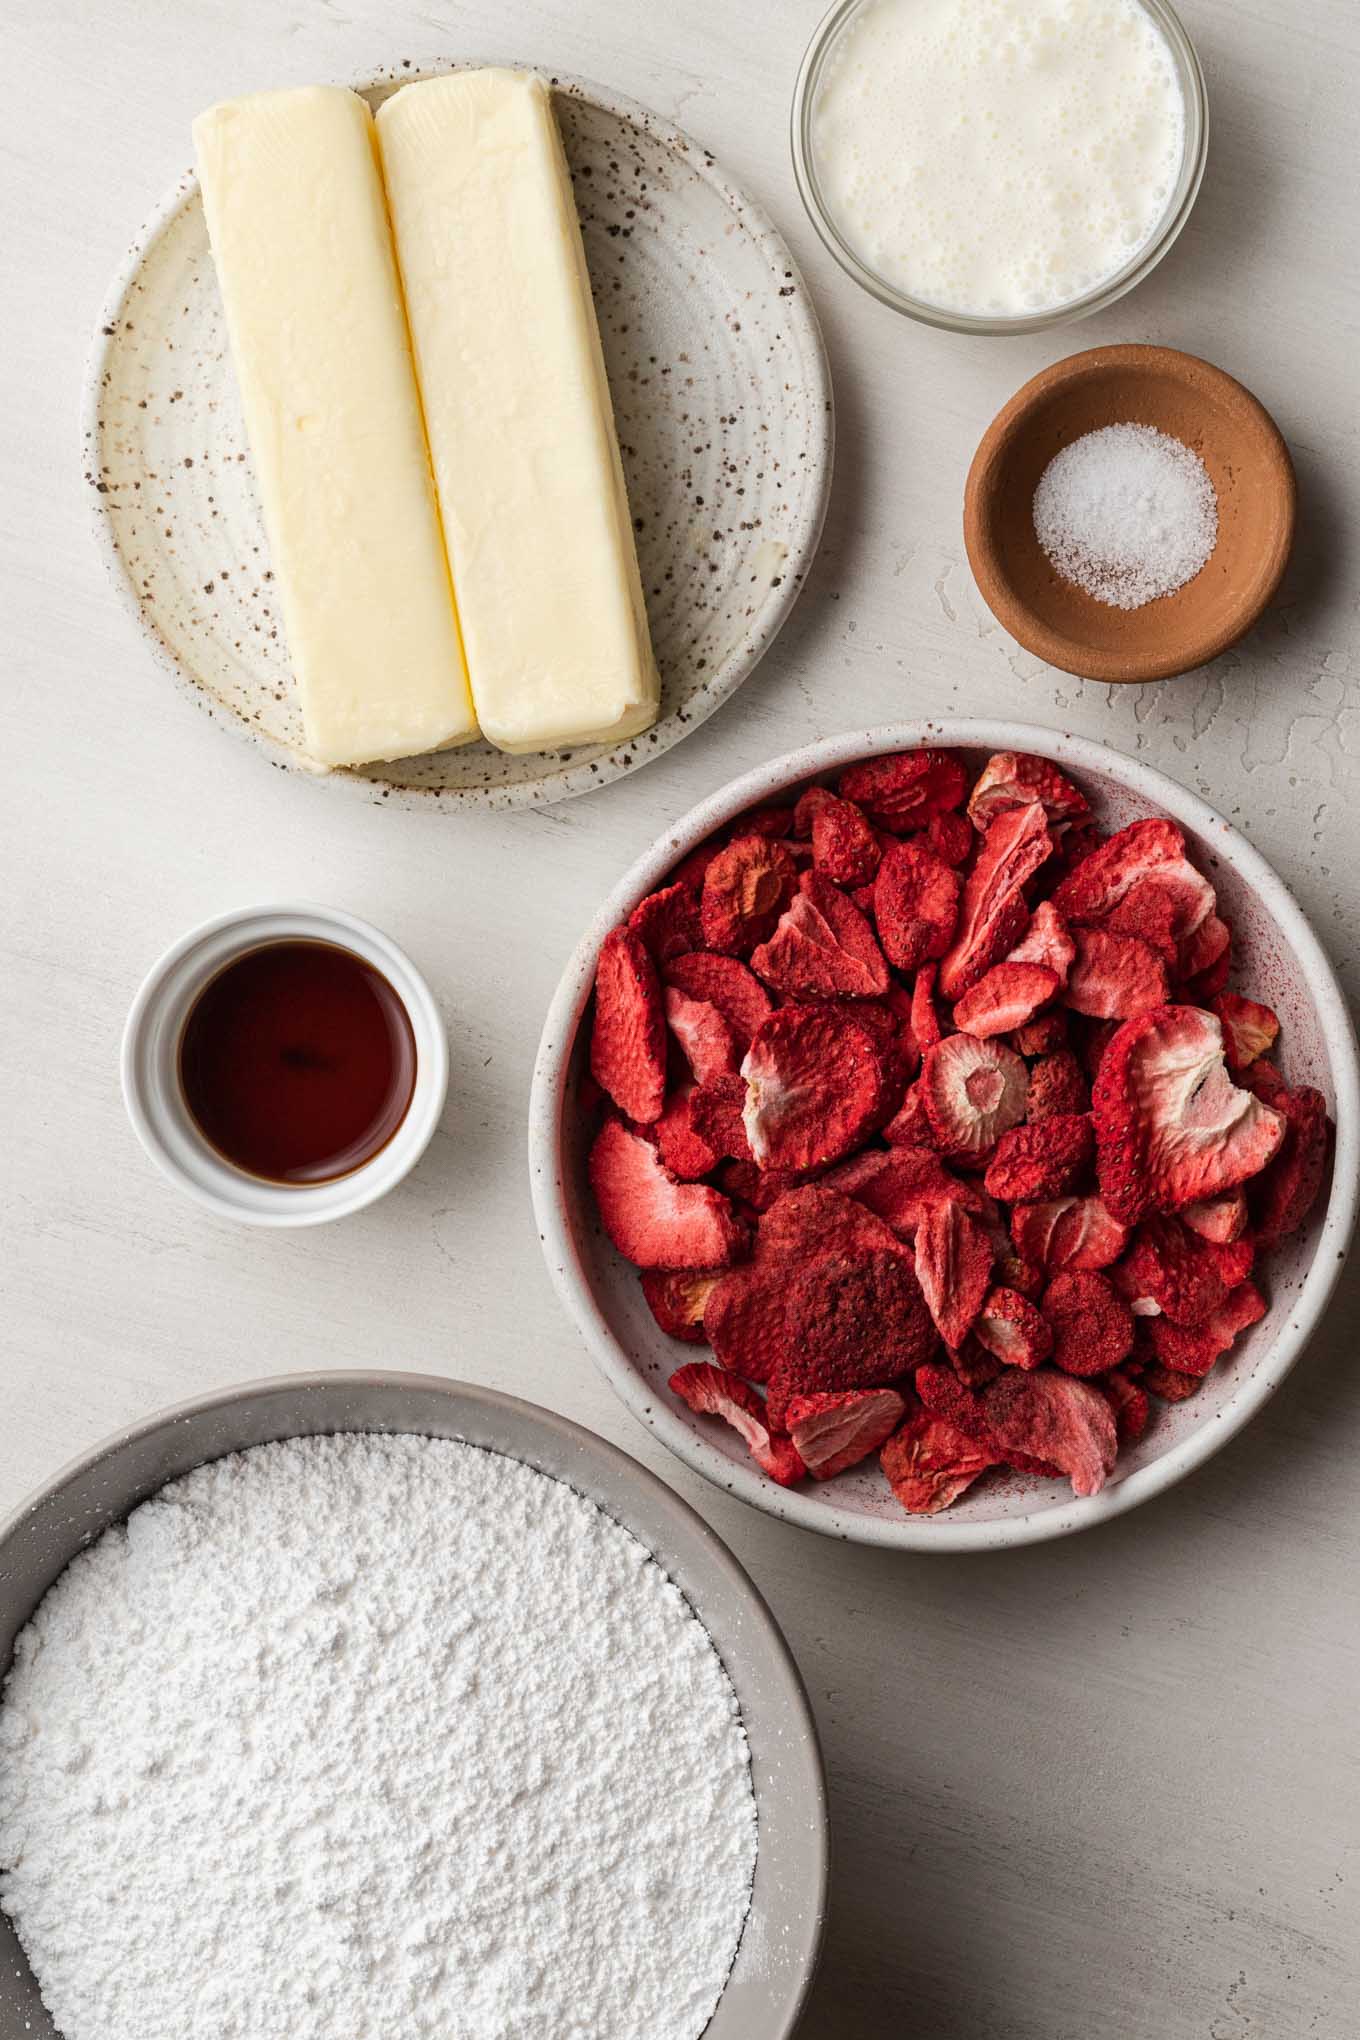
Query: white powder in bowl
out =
(1127, 513)
(357, 1736)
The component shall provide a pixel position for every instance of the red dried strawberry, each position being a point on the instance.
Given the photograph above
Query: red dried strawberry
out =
(844, 847)
(1050, 1417)
(754, 1186)
(816, 1219)
(1145, 854)
(1011, 1328)
(1027, 1278)
(1056, 1087)
(746, 889)
(1171, 1127)
(1179, 1272)
(953, 1267)
(1014, 779)
(901, 1184)
(929, 1464)
(738, 995)
(904, 790)
(667, 922)
(909, 1126)
(1047, 940)
(916, 905)
(1092, 1325)
(1220, 1219)
(817, 1085)
(1068, 1233)
(1194, 1349)
(1171, 1385)
(1044, 1035)
(1286, 1192)
(690, 871)
(950, 838)
(709, 1045)
(1038, 1161)
(1249, 1030)
(1201, 988)
(944, 1395)
(823, 947)
(993, 914)
(776, 819)
(834, 1432)
(1114, 977)
(925, 1020)
(972, 1092)
(1005, 997)
(854, 1321)
(1204, 951)
(676, 1299)
(653, 1220)
(715, 1116)
(628, 1041)
(1152, 914)
(713, 1392)
(1130, 1406)
(805, 809)
(681, 1145)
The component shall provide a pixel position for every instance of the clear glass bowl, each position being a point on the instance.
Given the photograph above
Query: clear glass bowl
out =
(1191, 80)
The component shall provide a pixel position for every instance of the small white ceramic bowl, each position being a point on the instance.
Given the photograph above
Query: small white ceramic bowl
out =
(155, 1100)
(1278, 959)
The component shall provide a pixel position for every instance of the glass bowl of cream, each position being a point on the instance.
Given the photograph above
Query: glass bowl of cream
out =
(998, 166)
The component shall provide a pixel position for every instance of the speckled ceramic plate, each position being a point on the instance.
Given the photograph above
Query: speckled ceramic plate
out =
(723, 402)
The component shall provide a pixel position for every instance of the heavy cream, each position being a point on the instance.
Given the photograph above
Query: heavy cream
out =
(998, 157)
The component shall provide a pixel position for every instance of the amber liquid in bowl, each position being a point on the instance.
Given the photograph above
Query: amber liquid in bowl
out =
(297, 1062)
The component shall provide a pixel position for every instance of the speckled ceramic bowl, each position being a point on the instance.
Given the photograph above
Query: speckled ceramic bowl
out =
(1278, 958)
(722, 397)
(778, 1952)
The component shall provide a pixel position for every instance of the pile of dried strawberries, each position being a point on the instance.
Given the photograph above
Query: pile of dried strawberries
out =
(928, 1109)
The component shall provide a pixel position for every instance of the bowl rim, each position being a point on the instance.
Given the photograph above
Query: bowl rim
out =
(798, 1738)
(981, 491)
(548, 1101)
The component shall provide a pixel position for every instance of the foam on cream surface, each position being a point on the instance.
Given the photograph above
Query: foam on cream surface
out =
(998, 157)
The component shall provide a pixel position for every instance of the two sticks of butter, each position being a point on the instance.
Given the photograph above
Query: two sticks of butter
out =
(427, 407)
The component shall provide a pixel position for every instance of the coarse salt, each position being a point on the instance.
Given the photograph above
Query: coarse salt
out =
(365, 1735)
(1127, 513)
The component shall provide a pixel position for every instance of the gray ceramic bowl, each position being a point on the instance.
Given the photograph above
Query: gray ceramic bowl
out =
(778, 1954)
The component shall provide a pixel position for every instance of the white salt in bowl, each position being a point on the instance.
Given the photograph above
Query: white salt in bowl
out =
(777, 1957)
(1278, 959)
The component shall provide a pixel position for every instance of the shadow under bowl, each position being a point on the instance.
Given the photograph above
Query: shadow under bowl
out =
(1247, 462)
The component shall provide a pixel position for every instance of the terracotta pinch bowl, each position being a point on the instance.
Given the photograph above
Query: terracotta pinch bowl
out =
(1247, 462)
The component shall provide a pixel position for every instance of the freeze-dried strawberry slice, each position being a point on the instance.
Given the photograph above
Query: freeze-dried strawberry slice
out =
(972, 1092)
(1005, 997)
(736, 992)
(925, 1019)
(1034, 1162)
(1249, 1030)
(909, 1126)
(667, 922)
(844, 847)
(953, 1267)
(713, 1392)
(817, 1085)
(760, 1188)
(1066, 1423)
(746, 1319)
(1047, 940)
(993, 914)
(715, 1115)
(1220, 1219)
(1114, 977)
(746, 889)
(854, 1321)
(805, 810)
(901, 1184)
(1286, 1193)
(903, 791)
(1181, 1273)
(1130, 1406)
(1193, 1349)
(1154, 915)
(944, 1395)
(773, 819)
(1027, 1278)
(1150, 852)
(681, 1144)
(1170, 1384)
(653, 1220)
(1012, 779)
(709, 1045)
(817, 1219)
(833, 1432)
(1045, 1034)
(950, 837)
(1011, 1328)
(1203, 986)
(823, 947)
(929, 1464)
(1092, 1326)
(676, 1298)
(1203, 951)
(1171, 1126)
(916, 905)
(1068, 1233)
(628, 1041)
(1056, 1087)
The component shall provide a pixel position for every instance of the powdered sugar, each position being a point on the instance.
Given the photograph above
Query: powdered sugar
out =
(1128, 513)
(372, 1735)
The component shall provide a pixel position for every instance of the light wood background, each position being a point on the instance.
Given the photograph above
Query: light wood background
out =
(1100, 1790)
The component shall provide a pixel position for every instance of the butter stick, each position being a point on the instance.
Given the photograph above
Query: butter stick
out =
(304, 257)
(518, 412)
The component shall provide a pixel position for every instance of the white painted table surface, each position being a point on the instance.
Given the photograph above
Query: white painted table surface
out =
(1107, 1787)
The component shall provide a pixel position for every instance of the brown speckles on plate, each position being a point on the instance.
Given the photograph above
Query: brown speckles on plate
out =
(723, 402)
